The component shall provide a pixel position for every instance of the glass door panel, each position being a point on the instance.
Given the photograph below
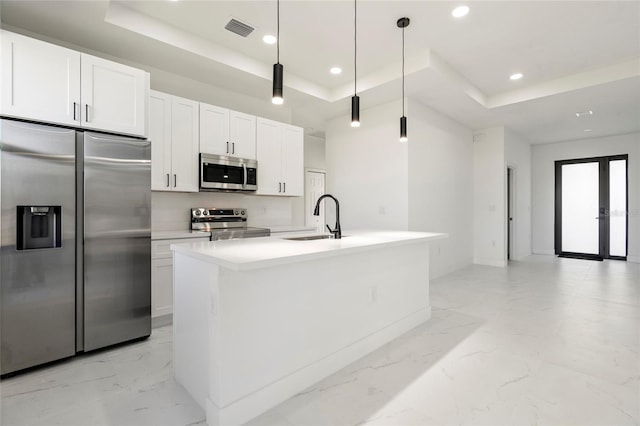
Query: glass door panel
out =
(580, 202)
(618, 208)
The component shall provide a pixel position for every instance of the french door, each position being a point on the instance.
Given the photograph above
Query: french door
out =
(591, 206)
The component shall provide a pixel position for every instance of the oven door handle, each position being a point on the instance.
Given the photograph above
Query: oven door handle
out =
(244, 171)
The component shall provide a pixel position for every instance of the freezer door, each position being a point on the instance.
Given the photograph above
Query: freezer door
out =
(37, 263)
(117, 239)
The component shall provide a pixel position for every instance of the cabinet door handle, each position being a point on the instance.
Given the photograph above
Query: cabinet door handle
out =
(227, 147)
(168, 182)
(86, 112)
(279, 186)
(74, 111)
(284, 187)
(233, 148)
(175, 180)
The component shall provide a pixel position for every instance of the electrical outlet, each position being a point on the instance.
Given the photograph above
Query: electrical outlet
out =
(373, 294)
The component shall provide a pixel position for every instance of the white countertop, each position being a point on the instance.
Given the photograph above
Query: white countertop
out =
(255, 253)
(175, 235)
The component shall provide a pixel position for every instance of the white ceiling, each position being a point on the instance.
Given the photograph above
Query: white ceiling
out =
(575, 55)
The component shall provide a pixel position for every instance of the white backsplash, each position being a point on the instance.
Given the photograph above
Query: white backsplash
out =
(170, 210)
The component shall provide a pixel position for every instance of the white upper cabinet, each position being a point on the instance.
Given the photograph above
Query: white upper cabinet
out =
(242, 135)
(113, 96)
(293, 160)
(214, 130)
(44, 82)
(40, 81)
(173, 131)
(227, 132)
(280, 152)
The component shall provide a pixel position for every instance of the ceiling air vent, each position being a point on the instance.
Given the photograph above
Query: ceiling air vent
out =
(239, 28)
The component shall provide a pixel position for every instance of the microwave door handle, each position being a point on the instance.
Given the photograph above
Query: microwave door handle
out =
(244, 170)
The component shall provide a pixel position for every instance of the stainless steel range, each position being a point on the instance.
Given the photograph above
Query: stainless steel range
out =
(225, 224)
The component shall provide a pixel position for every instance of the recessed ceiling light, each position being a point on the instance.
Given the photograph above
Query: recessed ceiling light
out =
(460, 11)
(516, 76)
(584, 113)
(335, 70)
(269, 39)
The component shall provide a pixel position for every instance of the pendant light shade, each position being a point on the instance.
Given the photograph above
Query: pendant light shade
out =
(355, 111)
(355, 99)
(278, 69)
(403, 23)
(403, 129)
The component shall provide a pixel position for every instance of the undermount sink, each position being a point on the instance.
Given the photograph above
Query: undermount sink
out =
(310, 237)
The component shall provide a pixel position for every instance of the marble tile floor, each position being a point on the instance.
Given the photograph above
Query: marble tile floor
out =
(546, 341)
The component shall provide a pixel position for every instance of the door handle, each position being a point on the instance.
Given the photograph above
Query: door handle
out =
(233, 147)
(227, 147)
(175, 180)
(86, 112)
(244, 172)
(284, 187)
(74, 111)
(279, 186)
(168, 181)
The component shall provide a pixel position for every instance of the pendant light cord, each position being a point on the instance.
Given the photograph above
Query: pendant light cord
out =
(403, 71)
(278, 34)
(355, 48)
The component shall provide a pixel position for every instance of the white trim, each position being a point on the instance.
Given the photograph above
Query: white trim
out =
(549, 252)
(490, 262)
(242, 410)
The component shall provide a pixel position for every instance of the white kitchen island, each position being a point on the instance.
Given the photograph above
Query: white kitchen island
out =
(258, 320)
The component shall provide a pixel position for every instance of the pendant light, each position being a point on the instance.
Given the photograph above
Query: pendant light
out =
(278, 69)
(355, 99)
(403, 23)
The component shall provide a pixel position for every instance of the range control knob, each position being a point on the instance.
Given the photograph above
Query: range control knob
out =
(242, 212)
(197, 212)
(235, 212)
(205, 212)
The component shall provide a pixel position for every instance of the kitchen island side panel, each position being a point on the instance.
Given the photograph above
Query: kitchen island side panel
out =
(274, 331)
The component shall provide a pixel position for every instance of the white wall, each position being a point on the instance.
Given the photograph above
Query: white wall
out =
(422, 185)
(367, 170)
(518, 157)
(489, 210)
(170, 210)
(440, 185)
(314, 158)
(543, 172)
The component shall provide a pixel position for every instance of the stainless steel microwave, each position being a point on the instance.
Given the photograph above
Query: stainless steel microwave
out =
(222, 173)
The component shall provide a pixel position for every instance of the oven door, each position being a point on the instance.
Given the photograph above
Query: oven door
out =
(221, 173)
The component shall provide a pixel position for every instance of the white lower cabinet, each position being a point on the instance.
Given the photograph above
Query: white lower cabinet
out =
(162, 275)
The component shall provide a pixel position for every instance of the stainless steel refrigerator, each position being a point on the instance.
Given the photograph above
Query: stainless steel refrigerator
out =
(75, 242)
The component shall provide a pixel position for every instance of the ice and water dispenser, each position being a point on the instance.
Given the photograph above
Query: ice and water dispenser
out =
(39, 227)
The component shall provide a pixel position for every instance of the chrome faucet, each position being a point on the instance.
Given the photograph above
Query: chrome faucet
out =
(337, 232)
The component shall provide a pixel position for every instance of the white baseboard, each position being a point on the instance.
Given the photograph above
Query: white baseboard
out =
(490, 262)
(161, 321)
(544, 251)
(258, 402)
